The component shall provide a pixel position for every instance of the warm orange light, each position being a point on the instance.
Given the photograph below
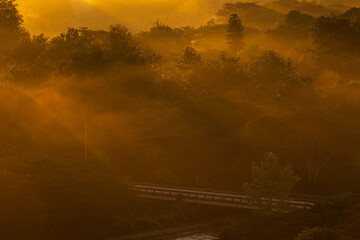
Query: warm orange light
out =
(54, 16)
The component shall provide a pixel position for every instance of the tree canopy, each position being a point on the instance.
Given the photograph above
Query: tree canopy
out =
(10, 22)
(271, 179)
(235, 33)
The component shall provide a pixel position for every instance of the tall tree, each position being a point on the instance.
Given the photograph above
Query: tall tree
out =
(191, 56)
(10, 22)
(121, 47)
(235, 33)
(271, 180)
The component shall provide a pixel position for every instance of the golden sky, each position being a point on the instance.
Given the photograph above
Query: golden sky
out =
(54, 16)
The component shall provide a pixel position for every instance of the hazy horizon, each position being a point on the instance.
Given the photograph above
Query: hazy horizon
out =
(238, 118)
(55, 16)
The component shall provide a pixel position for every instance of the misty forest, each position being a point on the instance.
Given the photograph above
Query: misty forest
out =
(261, 99)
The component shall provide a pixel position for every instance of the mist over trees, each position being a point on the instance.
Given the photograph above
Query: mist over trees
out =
(235, 33)
(10, 24)
(188, 106)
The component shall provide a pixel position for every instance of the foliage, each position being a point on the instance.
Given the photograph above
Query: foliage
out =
(316, 234)
(176, 39)
(10, 23)
(324, 222)
(218, 76)
(177, 106)
(251, 13)
(275, 76)
(191, 56)
(294, 26)
(235, 33)
(54, 198)
(336, 35)
(120, 46)
(62, 194)
(271, 179)
(353, 14)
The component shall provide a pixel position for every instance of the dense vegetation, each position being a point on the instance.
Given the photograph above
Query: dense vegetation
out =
(183, 106)
(331, 222)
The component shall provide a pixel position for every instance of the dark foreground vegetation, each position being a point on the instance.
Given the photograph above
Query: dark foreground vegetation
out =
(328, 222)
(85, 112)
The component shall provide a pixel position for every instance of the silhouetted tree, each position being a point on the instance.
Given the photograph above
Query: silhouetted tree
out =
(336, 35)
(120, 46)
(67, 43)
(176, 39)
(28, 59)
(10, 22)
(294, 26)
(75, 50)
(252, 13)
(271, 180)
(191, 56)
(235, 33)
(274, 76)
(353, 15)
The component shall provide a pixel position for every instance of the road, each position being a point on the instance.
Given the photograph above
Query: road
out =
(218, 198)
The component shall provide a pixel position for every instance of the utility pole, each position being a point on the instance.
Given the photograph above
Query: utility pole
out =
(86, 142)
